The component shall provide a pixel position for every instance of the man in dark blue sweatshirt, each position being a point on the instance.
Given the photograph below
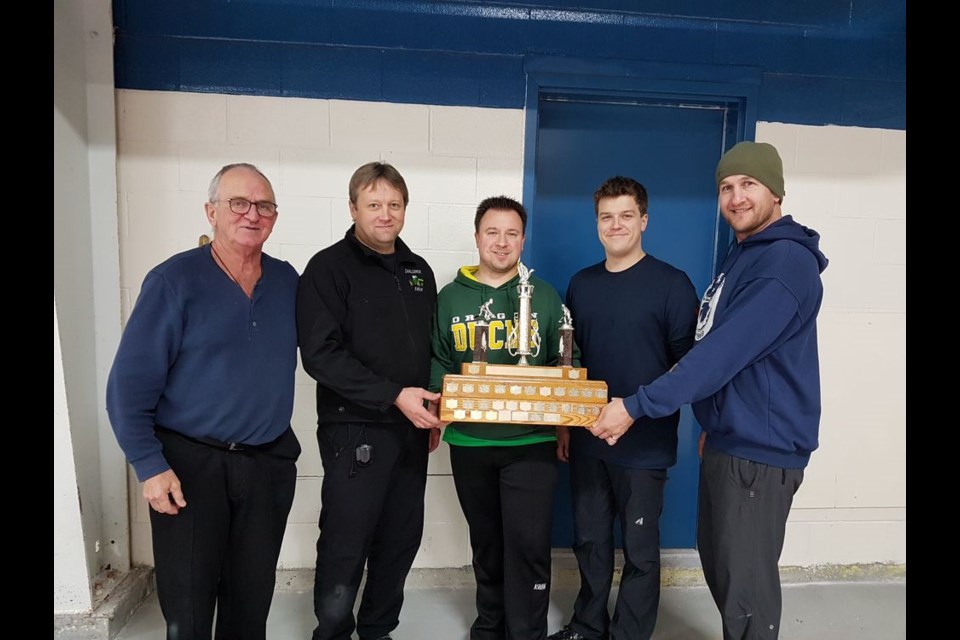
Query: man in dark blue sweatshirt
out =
(635, 317)
(753, 378)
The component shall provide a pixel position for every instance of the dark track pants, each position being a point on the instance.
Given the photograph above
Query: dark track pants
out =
(506, 494)
(370, 515)
(600, 492)
(220, 552)
(743, 515)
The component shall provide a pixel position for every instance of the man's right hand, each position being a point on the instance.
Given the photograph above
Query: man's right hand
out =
(700, 443)
(410, 402)
(159, 490)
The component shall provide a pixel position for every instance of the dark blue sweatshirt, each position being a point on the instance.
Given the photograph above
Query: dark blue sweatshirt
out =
(632, 326)
(753, 375)
(199, 357)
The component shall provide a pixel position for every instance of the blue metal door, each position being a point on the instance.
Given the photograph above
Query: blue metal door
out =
(672, 149)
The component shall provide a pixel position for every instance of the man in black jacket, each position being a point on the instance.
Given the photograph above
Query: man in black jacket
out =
(364, 310)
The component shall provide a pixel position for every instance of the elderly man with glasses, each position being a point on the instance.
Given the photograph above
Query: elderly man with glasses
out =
(200, 397)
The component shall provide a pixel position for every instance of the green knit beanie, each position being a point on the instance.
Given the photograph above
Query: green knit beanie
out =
(759, 160)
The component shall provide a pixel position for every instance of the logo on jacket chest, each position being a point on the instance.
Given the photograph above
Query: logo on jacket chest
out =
(414, 278)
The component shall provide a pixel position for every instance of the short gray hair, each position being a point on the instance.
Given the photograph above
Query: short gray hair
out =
(214, 189)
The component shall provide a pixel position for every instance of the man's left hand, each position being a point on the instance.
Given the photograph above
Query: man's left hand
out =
(614, 421)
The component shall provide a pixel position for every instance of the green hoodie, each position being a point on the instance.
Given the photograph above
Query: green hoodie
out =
(457, 307)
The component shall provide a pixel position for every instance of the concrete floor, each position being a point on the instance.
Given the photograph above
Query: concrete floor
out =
(811, 611)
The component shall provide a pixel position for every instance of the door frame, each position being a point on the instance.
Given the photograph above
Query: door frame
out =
(731, 87)
(734, 90)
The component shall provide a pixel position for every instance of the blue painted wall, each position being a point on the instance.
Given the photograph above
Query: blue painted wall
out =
(821, 61)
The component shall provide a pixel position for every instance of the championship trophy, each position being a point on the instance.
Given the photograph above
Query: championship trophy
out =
(521, 393)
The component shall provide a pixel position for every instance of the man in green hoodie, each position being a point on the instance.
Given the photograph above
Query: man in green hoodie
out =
(505, 474)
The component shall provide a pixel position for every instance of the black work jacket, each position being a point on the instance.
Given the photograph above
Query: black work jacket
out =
(364, 329)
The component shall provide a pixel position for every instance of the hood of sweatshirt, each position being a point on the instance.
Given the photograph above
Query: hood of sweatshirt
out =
(786, 228)
(467, 277)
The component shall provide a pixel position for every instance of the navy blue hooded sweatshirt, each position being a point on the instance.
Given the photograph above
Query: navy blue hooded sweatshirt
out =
(753, 374)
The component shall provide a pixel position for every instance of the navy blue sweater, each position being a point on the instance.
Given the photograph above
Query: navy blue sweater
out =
(753, 374)
(199, 357)
(631, 327)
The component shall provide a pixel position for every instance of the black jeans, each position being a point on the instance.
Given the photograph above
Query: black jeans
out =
(370, 515)
(601, 491)
(743, 516)
(506, 494)
(220, 552)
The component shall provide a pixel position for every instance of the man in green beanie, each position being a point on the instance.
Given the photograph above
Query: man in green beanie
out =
(753, 379)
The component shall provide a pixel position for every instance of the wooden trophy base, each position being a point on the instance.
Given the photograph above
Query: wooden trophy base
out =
(515, 394)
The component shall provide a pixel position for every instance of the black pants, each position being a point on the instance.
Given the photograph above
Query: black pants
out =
(221, 550)
(743, 516)
(369, 515)
(506, 494)
(601, 491)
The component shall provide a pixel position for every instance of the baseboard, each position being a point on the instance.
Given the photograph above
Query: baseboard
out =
(678, 568)
(116, 596)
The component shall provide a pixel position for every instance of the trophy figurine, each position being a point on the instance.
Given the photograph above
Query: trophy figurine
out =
(522, 393)
(566, 338)
(526, 345)
(481, 331)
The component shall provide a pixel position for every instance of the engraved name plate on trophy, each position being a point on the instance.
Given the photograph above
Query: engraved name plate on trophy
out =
(521, 393)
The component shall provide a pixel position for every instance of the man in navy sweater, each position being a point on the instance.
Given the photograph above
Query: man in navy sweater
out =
(753, 378)
(200, 397)
(635, 317)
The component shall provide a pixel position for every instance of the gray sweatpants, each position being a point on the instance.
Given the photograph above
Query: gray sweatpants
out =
(742, 520)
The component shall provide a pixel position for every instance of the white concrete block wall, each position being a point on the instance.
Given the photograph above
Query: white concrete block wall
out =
(481, 133)
(166, 116)
(171, 144)
(847, 183)
(368, 127)
(267, 122)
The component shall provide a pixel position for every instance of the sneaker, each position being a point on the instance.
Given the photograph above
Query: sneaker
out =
(566, 634)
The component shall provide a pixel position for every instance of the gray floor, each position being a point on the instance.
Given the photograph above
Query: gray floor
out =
(822, 611)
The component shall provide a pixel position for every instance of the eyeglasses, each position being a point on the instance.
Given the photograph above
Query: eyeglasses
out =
(241, 206)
